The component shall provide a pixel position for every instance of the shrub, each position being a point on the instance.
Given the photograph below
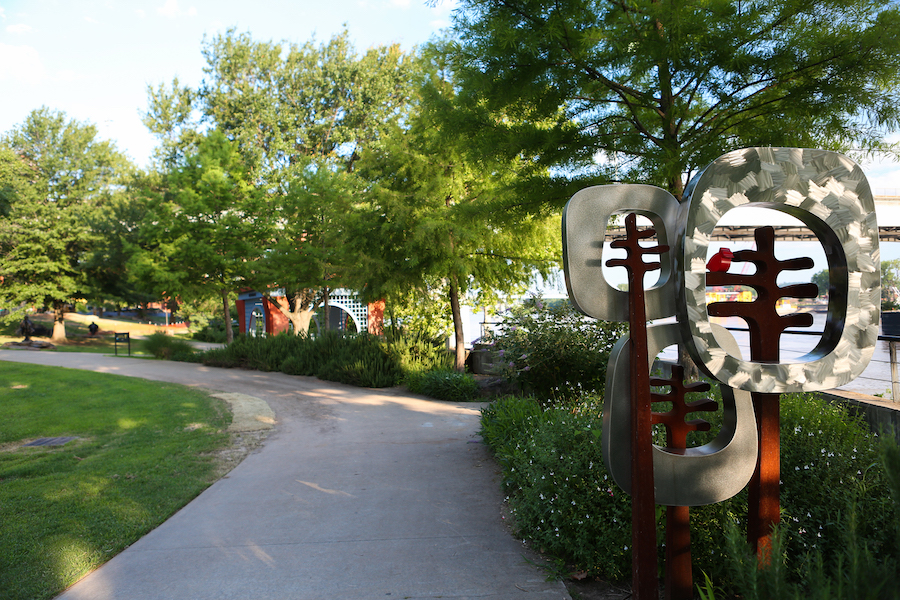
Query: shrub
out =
(506, 420)
(213, 331)
(166, 347)
(564, 500)
(449, 385)
(355, 359)
(360, 360)
(417, 352)
(553, 352)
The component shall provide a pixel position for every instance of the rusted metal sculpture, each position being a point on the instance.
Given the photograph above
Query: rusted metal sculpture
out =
(643, 505)
(679, 574)
(766, 327)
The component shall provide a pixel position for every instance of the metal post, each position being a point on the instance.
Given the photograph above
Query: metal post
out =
(895, 380)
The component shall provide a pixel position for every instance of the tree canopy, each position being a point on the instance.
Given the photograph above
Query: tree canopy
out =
(441, 219)
(300, 116)
(652, 90)
(203, 239)
(58, 176)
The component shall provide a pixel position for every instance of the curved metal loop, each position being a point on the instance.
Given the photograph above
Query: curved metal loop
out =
(705, 475)
(584, 231)
(830, 194)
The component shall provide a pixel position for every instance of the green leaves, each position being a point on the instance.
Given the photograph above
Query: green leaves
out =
(204, 236)
(660, 89)
(57, 178)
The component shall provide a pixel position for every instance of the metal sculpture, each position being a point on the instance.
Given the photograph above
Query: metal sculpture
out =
(825, 190)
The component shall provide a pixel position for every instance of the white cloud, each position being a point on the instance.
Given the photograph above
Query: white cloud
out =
(20, 63)
(19, 28)
(172, 10)
(2, 13)
(68, 76)
(140, 12)
(400, 3)
(91, 20)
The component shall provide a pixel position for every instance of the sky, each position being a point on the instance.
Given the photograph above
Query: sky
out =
(93, 59)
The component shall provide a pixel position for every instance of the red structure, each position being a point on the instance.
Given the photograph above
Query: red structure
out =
(258, 316)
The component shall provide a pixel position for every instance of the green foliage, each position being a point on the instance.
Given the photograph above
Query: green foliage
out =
(359, 359)
(417, 351)
(560, 494)
(836, 499)
(422, 311)
(167, 347)
(144, 450)
(449, 385)
(851, 570)
(821, 279)
(213, 331)
(203, 239)
(890, 284)
(554, 352)
(300, 115)
(660, 89)
(443, 221)
(56, 176)
(507, 420)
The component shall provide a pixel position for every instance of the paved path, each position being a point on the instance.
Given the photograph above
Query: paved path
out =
(357, 494)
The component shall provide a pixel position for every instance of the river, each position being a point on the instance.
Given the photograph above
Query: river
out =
(875, 380)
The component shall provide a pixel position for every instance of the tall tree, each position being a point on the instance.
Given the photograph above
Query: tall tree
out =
(652, 90)
(439, 218)
(69, 177)
(312, 252)
(299, 115)
(204, 238)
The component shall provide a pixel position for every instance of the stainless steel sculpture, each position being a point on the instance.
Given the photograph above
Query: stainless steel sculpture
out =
(830, 194)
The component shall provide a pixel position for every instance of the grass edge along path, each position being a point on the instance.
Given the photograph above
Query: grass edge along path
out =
(143, 450)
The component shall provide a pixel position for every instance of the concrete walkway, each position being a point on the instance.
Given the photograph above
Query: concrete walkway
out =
(357, 494)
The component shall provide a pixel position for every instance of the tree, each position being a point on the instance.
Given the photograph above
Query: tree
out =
(62, 176)
(203, 239)
(890, 284)
(822, 281)
(650, 91)
(441, 219)
(312, 251)
(300, 116)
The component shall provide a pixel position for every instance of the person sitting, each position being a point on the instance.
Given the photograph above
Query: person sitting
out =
(93, 328)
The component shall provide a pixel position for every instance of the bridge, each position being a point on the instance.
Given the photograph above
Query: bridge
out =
(787, 228)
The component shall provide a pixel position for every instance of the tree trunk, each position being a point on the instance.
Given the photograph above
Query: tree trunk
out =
(299, 311)
(59, 323)
(460, 363)
(325, 309)
(301, 320)
(229, 332)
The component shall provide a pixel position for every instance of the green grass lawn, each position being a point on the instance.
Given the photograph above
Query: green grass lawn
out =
(144, 449)
(80, 340)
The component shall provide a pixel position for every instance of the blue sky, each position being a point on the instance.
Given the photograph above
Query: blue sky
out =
(93, 59)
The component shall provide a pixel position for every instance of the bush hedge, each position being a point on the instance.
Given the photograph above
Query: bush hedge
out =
(552, 352)
(167, 347)
(563, 499)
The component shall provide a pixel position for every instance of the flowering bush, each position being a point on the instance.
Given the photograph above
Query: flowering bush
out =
(564, 500)
(553, 352)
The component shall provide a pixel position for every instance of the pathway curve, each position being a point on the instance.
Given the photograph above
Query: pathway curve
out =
(357, 494)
